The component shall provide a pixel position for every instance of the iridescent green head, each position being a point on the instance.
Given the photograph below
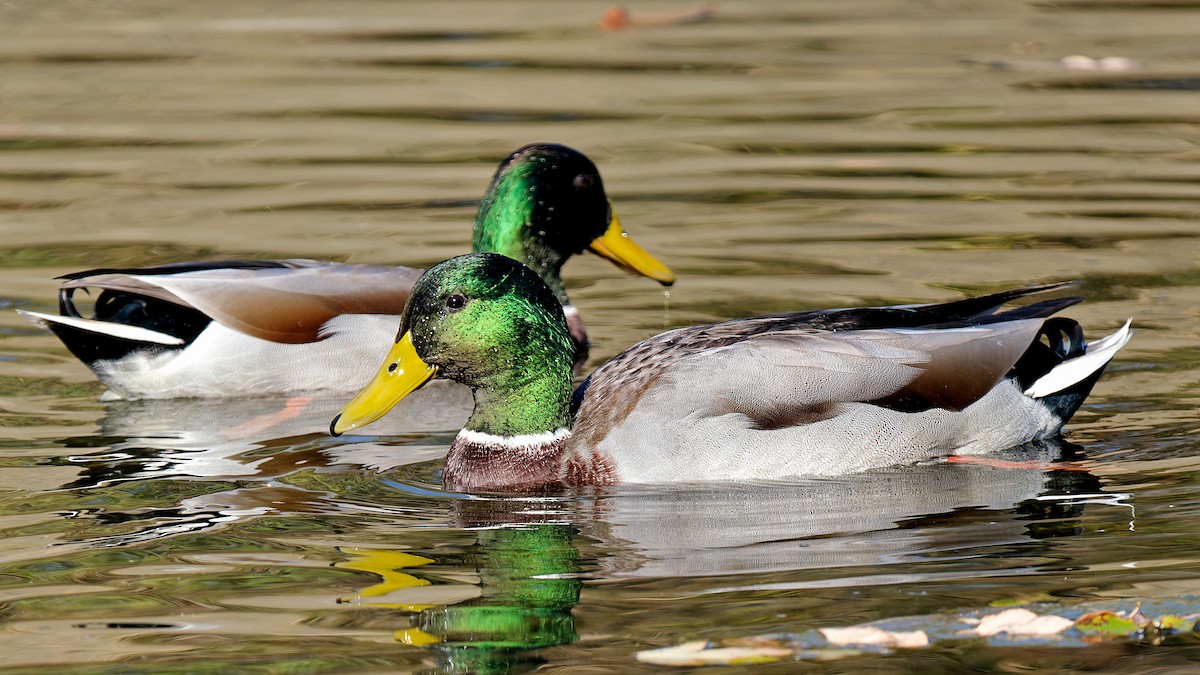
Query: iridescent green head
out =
(476, 317)
(490, 323)
(547, 203)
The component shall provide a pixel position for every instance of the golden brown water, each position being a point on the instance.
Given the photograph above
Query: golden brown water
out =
(777, 156)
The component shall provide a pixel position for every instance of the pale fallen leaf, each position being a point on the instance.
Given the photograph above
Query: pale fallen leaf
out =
(699, 654)
(1022, 622)
(869, 635)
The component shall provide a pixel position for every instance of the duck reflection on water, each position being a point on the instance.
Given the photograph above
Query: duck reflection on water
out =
(678, 530)
(260, 438)
(881, 527)
(530, 574)
(529, 580)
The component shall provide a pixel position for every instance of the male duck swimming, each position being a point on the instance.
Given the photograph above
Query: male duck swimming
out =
(808, 393)
(279, 326)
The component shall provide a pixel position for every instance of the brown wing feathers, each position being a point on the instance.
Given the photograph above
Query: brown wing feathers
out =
(286, 303)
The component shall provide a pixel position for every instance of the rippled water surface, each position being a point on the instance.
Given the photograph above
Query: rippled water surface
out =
(775, 155)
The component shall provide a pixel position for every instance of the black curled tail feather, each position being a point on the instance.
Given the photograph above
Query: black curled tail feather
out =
(142, 311)
(129, 309)
(1059, 339)
(66, 302)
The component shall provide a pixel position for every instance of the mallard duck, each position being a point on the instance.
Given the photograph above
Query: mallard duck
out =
(809, 393)
(279, 326)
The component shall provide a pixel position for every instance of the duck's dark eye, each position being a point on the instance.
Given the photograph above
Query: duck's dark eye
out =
(455, 302)
(584, 181)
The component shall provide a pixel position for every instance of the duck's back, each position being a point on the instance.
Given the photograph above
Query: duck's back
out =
(281, 301)
(232, 329)
(787, 395)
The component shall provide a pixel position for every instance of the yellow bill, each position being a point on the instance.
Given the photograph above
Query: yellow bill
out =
(616, 245)
(402, 373)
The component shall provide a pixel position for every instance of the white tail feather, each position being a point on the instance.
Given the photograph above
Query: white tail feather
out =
(117, 330)
(1073, 371)
(1103, 343)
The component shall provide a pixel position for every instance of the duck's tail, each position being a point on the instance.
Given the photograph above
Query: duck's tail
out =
(91, 340)
(128, 317)
(1061, 371)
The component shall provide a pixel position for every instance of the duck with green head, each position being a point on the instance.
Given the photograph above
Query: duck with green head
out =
(809, 393)
(258, 327)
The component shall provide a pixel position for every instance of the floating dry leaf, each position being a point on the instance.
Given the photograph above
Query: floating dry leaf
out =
(1182, 624)
(1105, 623)
(702, 653)
(870, 635)
(1152, 625)
(1021, 622)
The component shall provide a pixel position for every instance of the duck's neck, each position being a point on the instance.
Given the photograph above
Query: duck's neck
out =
(525, 403)
(517, 435)
(505, 225)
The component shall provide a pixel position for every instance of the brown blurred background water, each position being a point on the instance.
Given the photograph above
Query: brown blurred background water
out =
(776, 155)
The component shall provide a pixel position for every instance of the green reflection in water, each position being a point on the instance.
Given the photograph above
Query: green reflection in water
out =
(528, 585)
